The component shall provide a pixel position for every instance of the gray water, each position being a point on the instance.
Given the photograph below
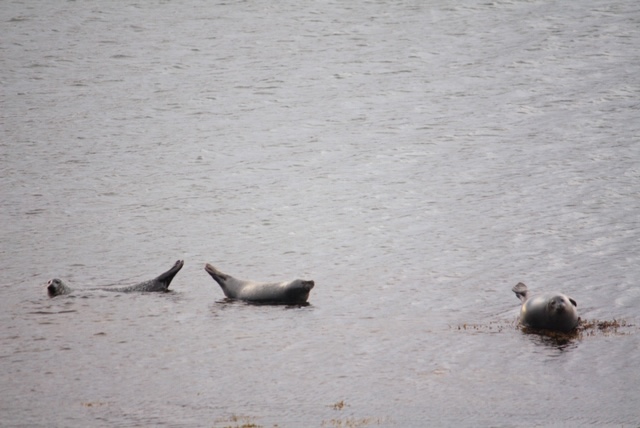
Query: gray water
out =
(415, 158)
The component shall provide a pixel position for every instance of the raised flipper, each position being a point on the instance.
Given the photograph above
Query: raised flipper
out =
(521, 291)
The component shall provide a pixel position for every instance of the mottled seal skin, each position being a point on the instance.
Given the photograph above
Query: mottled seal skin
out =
(56, 287)
(294, 292)
(552, 311)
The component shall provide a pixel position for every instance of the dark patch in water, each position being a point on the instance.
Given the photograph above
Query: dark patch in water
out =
(52, 313)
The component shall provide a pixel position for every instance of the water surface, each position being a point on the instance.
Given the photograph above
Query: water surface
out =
(416, 159)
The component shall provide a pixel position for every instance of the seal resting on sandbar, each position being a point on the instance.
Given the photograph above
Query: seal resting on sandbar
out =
(294, 292)
(552, 311)
(56, 287)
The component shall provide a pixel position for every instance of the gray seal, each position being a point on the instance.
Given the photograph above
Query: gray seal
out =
(294, 292)
(552, 311)
(56, 287)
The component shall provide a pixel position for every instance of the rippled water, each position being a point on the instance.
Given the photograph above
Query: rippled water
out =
(415, 158)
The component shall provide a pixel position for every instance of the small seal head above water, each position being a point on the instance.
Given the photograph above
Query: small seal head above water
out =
(553, 311)
(294, 292)
(56, 287)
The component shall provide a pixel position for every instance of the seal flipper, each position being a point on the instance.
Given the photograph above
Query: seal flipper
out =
(168, 276)
(158, 284)
(218, 276)
(521, 291)
(221, 279)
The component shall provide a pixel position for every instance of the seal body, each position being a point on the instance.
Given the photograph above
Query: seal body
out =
(551, 311)
(56, 287)
(294, 292)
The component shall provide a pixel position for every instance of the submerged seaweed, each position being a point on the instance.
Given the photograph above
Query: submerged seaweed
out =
(593, 327)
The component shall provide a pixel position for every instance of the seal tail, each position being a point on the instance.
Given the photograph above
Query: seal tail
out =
(218, 276)
(521, 291)
(168, 276)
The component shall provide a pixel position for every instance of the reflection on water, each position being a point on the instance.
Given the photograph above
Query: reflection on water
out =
(552, 339)
(587, 328)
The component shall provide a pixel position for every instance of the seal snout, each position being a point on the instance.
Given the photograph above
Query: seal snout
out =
(53, 287)
(558, 305)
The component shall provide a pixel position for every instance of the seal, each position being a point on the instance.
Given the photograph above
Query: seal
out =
(552, 311)
(294, 292)
(56, 287)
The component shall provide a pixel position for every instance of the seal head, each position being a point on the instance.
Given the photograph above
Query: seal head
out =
(552, 311)
(56, 287)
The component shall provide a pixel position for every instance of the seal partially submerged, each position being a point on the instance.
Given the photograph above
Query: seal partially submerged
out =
(552, 311)
(56, 287)
(294, 292)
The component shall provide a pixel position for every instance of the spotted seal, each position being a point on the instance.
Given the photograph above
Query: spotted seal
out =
(56, 286)
(552, 311)
(291, 292)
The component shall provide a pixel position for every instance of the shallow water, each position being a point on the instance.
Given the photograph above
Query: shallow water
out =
(416, 159)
